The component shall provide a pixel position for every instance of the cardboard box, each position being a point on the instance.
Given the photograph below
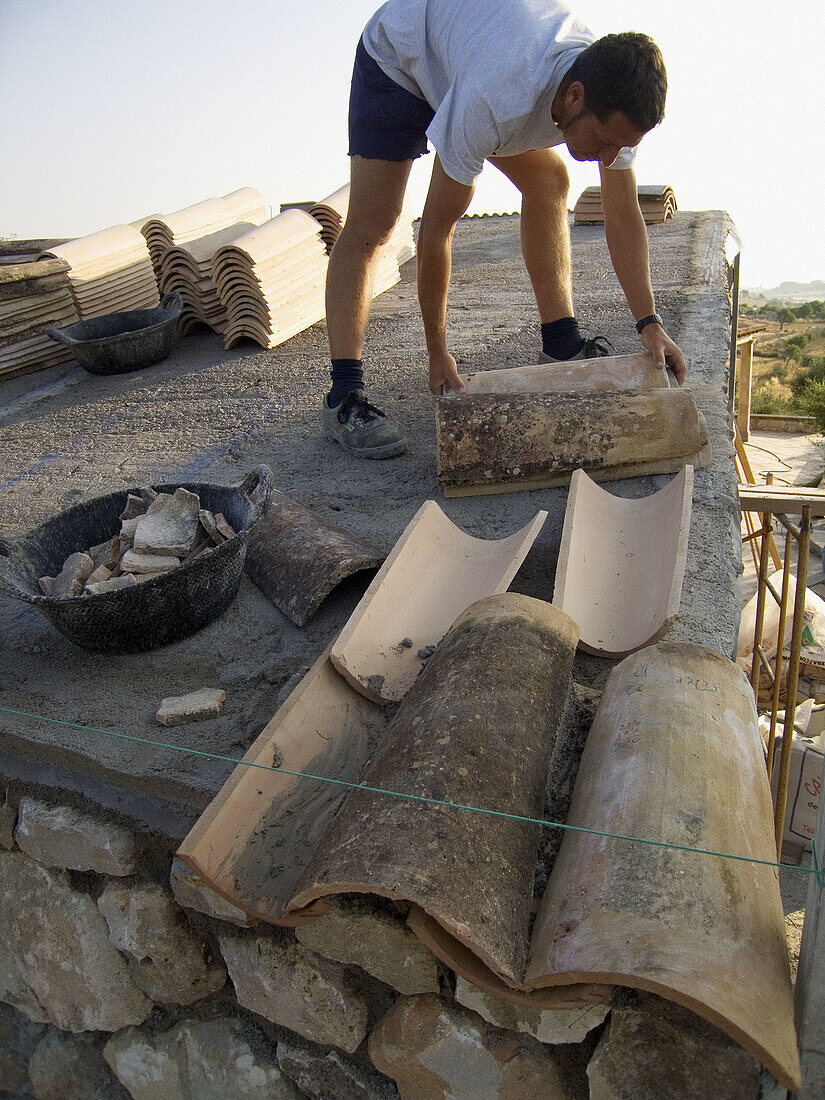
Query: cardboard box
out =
(804, 785)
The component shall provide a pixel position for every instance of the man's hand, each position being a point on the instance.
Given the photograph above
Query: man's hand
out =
(664, 351)
(444, 373)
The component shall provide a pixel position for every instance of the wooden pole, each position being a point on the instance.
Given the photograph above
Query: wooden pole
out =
(745, 376)
(761, 589)
(793, 674)
(780, 646)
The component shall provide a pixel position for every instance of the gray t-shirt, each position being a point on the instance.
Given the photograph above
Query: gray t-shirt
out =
(488, 68)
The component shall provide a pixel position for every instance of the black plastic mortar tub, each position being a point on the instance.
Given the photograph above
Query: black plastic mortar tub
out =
(149, 614)
(117, 343)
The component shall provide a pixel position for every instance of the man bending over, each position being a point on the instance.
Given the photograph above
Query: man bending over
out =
(497, 80)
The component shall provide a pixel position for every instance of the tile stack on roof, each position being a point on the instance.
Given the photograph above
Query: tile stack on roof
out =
(657, 203)
(109, 271)
(187, 268)
(200, 220)
(33, 295)
(271, 280)
(331, 212)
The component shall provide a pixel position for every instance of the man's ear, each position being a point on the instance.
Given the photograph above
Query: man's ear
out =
(574, 97)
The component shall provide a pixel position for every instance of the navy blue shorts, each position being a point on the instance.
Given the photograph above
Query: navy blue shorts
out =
(386, 122)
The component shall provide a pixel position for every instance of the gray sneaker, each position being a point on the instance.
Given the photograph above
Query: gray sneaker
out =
(361, 429)
(597, 347)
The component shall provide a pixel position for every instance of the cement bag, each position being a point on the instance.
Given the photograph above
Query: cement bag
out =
(812, 635)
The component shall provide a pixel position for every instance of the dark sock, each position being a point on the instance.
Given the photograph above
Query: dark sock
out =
(347, 375)
(561, 339)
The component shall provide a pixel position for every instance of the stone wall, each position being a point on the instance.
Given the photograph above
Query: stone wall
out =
(122, 975)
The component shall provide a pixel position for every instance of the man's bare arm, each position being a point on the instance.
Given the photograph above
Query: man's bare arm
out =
(627, 241)
(446, 201)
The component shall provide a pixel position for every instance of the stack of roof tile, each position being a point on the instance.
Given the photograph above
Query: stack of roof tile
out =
(271, 280)
(201, 220)
(657, 203)
(187, 268)
(109, 271)
(33, 295)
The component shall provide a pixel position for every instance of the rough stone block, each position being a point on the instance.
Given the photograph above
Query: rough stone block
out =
(125, 580)
(18, 1038)
(8, 818)
(106, 553)
(166, 959)
(60, 836)
(283, 982)
(139, 561)
(127, 532)
(98, 574)
(329, 1076)
(135, 506)
(653, 1048)
(199, 1060)
(57, 965)
(72, 1067)
(193, 893)
(356, 933)
(73, 575)
(46, 585)
(170, 525)
(148, 495)
(224, 526)
(548, 1025)
(141, 578)
(436, 1051)
(146, 1065)
(207, 522)
(194, 707)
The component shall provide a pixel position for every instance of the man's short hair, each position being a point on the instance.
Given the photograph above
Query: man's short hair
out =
(623, 72)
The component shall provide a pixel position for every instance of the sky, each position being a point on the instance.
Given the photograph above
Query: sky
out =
(111, 110)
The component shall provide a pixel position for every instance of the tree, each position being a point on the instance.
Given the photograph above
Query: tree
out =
(785, 316)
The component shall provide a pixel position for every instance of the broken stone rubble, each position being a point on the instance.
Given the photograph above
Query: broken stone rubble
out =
(355, 933)
(436, 1051)
(430, 1047)
(157, 531)
(70, 580)
(553, 1026)
(328, 1075)
(288, 985)
(197, 706)
(191, 892)
(169, 525)
(653, 1048)
(214, 1059)
(62, 837)
(126, 580)
(72, 1067)
(57, 965)
(167, 960)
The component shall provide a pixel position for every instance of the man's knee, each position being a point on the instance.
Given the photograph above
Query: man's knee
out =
(372, 227)
(558, 175)
(538, 174)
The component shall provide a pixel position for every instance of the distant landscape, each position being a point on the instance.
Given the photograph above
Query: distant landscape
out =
(786, 293)
(789, 348)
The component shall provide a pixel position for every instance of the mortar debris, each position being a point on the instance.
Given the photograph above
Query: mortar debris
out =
(181, 530)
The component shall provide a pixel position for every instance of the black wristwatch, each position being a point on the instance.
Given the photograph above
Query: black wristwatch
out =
(651, 319)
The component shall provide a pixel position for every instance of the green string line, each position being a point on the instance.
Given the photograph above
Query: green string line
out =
(422, 798)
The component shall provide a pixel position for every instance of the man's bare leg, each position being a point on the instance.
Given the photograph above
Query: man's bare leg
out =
(542, 178)
(376, 198)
